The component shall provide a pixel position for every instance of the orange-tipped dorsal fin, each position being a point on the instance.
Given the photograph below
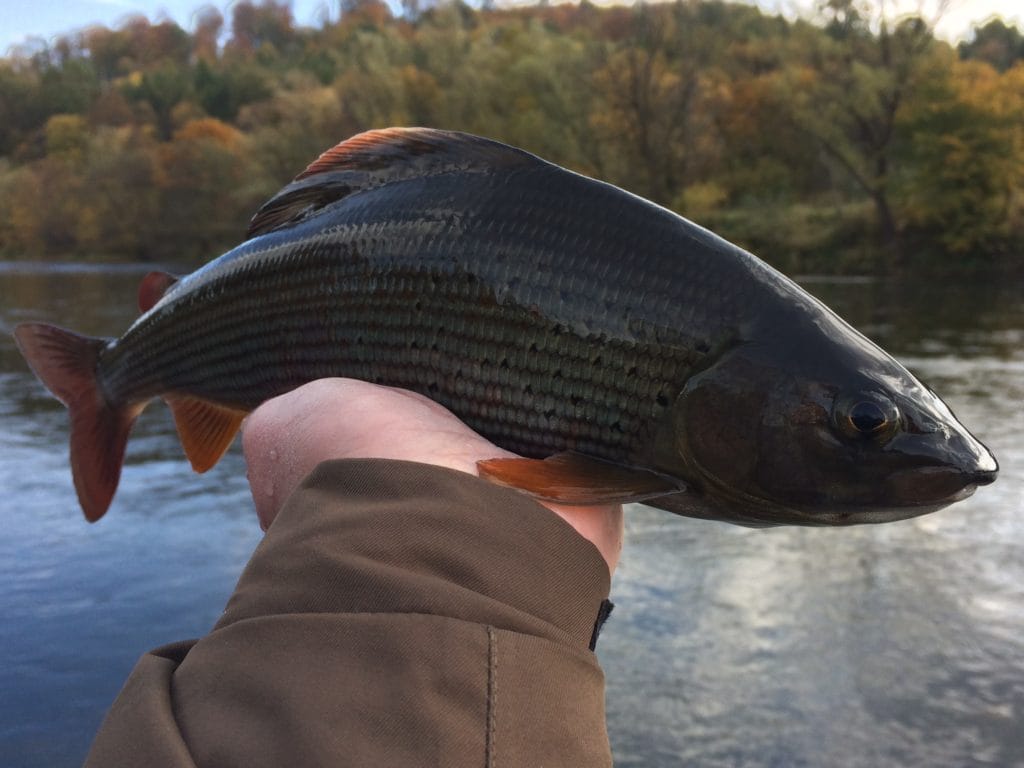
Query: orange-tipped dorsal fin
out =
(575, 479)
(153, 287)
(67, 364)
(205, 429)
(380, 157)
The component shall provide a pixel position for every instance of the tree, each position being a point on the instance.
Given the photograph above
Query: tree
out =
(998, 43)
(847, 95)
(208, 23)
(653, 101)
(203, 183)
(255, 28)
(119, 214)
(161, 89)
(964, 187)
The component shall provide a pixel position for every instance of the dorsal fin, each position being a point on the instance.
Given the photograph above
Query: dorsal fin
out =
(379, 157)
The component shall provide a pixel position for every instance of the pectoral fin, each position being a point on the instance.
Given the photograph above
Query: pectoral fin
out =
(205, 429)
(578, 480)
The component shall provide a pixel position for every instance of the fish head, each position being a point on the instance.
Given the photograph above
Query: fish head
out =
(831, 436)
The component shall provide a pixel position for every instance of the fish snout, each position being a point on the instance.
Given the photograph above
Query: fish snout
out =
(984, 476)
(941, 471)
(978, 464)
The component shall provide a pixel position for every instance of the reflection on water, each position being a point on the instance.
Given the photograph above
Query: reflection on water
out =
(900, 644)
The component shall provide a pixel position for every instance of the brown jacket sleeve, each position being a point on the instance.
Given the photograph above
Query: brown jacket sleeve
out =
(395, 614)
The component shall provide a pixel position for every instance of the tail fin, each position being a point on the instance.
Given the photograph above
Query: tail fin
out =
(66, 363)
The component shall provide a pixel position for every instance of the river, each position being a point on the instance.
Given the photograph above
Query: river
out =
(900, 644)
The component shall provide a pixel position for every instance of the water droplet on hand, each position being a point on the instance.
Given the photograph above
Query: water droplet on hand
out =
(273, 454)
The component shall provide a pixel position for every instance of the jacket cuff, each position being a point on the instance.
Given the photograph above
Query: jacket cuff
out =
(374, 535)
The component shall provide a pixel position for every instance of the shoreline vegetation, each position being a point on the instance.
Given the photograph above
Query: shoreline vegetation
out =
(842, 143)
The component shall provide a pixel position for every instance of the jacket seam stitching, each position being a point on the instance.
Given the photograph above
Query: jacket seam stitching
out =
(492, 696)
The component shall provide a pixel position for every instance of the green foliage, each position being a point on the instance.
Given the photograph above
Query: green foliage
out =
(160, 90)
(809, 141)
(996, 43)
(965, 172)
(223, 91)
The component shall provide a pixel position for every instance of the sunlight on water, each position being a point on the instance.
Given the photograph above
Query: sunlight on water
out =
(900, 644)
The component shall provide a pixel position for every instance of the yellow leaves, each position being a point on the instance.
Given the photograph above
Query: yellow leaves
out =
(22, 199)
(632, 84)
(89, 229)
(66, 137)
(699, 200)
(209, 129)
(422, 94)
(965, 160)
(999, 96)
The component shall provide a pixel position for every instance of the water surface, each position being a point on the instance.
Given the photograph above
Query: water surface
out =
(900, 644)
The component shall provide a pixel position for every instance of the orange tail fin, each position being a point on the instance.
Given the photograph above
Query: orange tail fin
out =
(66, 363)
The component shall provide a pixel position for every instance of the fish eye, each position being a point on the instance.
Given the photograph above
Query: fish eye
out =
(867, 415)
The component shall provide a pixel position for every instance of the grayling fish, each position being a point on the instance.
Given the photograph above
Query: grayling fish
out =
(626, 352)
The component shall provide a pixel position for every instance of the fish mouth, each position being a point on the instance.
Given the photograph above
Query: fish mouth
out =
(984, 477)
(905, 494)
(923, 486)
(915, 492)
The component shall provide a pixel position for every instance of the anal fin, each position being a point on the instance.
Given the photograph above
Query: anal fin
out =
(578, 480)
(206, 429)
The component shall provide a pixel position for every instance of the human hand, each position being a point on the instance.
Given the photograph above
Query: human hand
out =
(285, 438)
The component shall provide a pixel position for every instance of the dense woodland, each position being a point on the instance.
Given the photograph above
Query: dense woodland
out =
(838, 143)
